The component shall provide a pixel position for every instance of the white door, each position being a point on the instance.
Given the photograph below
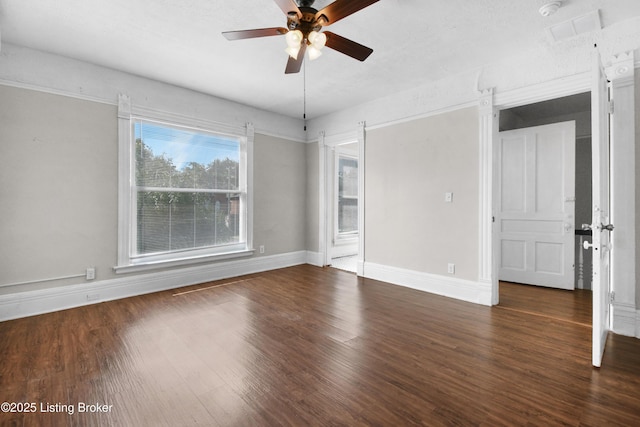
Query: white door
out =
(600, 224)
(536, 205)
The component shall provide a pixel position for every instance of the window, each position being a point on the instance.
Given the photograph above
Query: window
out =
(186, 197)
(347, 196)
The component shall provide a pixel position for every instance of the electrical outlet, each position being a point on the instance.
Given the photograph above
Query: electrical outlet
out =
(261, 249)
(91, 273)
(451, 268)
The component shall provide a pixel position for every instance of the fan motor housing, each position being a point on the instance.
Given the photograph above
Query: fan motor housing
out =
(306, 23)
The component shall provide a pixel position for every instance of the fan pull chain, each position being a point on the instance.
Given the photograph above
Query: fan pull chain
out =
(304, 95)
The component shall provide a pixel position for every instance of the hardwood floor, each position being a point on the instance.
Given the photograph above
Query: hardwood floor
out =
(312, 346)
(569, 306)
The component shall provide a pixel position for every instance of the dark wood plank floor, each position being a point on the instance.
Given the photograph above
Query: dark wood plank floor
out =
(312, 346)
(569, 306)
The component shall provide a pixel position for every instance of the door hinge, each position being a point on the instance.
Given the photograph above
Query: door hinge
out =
(612, 296)
(611, 107)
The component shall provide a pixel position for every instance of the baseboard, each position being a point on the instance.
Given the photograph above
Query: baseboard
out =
(637, 331)
(624, 319)
(30, 303)
(315, 259)
(465, 290)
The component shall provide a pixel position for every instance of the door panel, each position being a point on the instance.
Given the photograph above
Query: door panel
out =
(513, 173)
(600, 187)
(549, 257)
(549, 172)
(536, 217)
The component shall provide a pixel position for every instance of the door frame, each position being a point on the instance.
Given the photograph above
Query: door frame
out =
(326, 148)
(490, 105)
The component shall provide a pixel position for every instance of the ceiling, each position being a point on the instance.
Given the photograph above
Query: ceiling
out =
(415, 43)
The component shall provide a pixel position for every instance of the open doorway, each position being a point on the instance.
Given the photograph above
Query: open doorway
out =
(343, 200)
(577, 109)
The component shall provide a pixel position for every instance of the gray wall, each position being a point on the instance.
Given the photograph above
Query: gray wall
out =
(409, 168)
(313, 206)
(280, 183)
(58, 190)
(58, 186)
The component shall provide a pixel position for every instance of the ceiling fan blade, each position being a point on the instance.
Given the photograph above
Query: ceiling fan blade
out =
(348, 47)
(288, 6)
(342, 8)
(293, 65)
(250, 34)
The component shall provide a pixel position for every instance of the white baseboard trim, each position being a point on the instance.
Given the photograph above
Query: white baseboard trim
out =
(315, 259)
(637, 331)
(624, 319)
(30, 303)
(465, 290)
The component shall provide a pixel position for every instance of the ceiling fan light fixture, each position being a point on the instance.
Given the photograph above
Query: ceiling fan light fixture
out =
(293, 51)
(314, 52)
(294, 38)
(304, 27)
(317, 40)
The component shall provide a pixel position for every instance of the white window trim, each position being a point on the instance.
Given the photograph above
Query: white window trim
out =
(126, 174)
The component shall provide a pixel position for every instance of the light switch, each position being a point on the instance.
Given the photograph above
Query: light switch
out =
(448, 197)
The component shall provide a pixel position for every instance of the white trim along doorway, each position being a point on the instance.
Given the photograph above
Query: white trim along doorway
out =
(334, 244)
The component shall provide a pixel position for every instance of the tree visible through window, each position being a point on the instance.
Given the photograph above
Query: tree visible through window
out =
(188, 190)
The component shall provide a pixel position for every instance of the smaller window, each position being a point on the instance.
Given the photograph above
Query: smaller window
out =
(347, 196)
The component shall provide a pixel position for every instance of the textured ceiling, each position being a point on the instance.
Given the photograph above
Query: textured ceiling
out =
(415, 42)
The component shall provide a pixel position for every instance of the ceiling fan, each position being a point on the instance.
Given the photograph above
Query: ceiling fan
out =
(303, 31)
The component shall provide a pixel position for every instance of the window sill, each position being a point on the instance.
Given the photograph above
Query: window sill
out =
(200, 259)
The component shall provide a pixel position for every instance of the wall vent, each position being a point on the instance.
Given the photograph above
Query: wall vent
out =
(582, 24)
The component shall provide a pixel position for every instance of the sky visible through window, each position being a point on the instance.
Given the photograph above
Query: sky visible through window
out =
(184, 146)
